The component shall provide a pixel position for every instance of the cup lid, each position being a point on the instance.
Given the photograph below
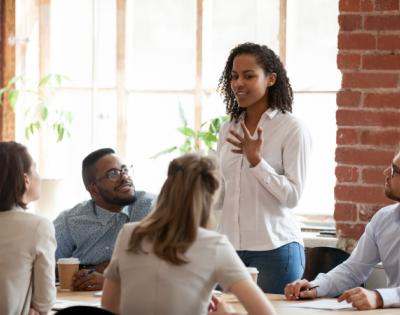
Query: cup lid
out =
(70, 261)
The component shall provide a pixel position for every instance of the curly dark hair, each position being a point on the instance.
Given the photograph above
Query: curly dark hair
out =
(280, 95)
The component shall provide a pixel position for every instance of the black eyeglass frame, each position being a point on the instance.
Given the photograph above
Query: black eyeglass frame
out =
(115, 174)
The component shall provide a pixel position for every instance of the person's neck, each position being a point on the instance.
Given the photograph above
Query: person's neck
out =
(254, 113)
(109, 207)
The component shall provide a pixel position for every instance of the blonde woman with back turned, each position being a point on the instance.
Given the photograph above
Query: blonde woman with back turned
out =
(170, 262)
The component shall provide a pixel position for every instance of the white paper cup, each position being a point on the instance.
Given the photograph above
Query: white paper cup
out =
(253, 271)
(67, 267)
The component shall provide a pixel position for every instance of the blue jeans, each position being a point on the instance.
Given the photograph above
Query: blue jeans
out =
(276, 267)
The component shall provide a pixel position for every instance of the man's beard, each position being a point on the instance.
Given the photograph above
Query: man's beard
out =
(390, 194)
(116, 200)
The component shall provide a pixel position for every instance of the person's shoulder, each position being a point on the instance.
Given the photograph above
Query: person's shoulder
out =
(291, 120)
(144, 195)
(390, 213)
(211, 236)
(78, 209)
(31, 220)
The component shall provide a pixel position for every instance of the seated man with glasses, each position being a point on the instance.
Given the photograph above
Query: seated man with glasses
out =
(88, 231)
(379, 243)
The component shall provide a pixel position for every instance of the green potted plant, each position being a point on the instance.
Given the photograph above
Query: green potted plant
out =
(38, 108)
(204, 139)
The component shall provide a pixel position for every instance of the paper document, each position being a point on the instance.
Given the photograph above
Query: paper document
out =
(323, 304)
(61, 304)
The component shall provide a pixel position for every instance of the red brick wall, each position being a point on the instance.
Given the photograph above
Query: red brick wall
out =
(368, 114)
(1, 65)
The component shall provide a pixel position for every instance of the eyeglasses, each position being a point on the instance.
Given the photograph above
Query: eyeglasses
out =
(115, 174)
(394, 170)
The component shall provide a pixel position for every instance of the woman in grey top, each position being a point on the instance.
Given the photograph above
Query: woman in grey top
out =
(170, 262)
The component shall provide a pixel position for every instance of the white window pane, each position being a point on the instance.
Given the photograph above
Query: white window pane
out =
(153, 120)
(228, 23)
(213, 106)
(106, 43)
(312, 29)
(160, 44)
(105, 119)
(71, 40)
(318, 113)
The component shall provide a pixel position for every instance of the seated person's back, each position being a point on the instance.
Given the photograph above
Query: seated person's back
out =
(169, 262)
(27, 242)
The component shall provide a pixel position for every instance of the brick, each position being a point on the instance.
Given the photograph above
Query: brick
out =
(389, 42)
(373, 175)
(381, 62)
(360, 194)
(345, 212)
(370, 80)
(346, 136)
(359, 41)
(346, 174)
(384, 22)
(348, 98)
(382, 100)
(355, 5)
(347, 117)
(380, 137)
(350, 22)
(353, 231)
(386, 5)
(348, 61)
(363, 157)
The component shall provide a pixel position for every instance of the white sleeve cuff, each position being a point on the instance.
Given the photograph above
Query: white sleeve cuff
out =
(390, 297)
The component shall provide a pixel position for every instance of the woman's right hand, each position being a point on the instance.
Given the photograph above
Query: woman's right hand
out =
(32, 311)
(298, 290)
(221, 308)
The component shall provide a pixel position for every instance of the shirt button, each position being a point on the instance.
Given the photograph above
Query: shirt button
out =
(107, 247)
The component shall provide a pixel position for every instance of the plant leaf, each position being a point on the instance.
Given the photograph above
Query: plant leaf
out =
(13, 97)
(166, 151)
(45, 80)
(187, 132)
(44, 112)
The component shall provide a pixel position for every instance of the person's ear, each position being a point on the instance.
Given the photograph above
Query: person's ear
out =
(92, 189)
(271, 79)
(27, 181)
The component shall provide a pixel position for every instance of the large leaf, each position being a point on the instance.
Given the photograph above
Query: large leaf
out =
(187, 132)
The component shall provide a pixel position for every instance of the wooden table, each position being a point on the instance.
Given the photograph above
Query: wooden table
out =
(279, 302)
(282, 307)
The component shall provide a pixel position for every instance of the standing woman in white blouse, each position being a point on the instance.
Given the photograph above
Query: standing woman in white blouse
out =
(263, 152)
(27, 241)
(169, 263)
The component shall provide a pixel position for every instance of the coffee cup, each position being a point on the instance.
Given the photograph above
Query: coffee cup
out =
(67, 267)
(253, 271)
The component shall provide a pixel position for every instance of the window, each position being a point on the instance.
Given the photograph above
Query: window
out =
(172, 54)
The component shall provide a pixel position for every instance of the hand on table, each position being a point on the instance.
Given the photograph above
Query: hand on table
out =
(87, 280)
(247, 145)
(298, 290)
(362, 299)
(32, 311)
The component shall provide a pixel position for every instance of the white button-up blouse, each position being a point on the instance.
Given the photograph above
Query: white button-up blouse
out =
(257, 201)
